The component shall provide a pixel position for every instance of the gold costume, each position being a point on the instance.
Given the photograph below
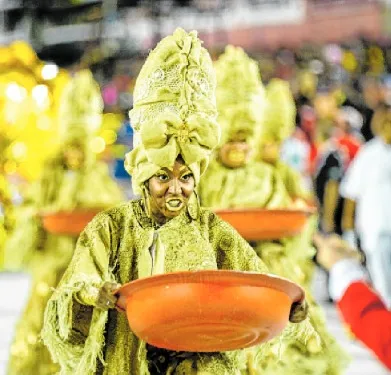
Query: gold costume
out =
(174, 115)
(247, 113)
(64, 186)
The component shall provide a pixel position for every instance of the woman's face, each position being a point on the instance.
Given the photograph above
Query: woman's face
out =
(269, 151)
(234, 154)
(170, 191)
(74, 156)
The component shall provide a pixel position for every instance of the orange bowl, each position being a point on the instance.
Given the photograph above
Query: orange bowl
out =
(264, 224)
(69, 223)
(208, 311)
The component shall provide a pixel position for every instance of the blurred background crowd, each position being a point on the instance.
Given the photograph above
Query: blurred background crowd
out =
(335, 54)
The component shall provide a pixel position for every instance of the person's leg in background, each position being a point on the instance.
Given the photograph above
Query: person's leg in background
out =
(379, 267)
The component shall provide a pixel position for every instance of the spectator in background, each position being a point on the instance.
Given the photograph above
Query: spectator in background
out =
(348, 123)
(361, 308)
(341, 145)
(330, 167)
(307, 125)
(367, 208)
(295, 152)
(371, 98)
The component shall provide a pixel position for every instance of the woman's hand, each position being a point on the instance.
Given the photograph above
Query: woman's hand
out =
(106, 298)
(299, 312)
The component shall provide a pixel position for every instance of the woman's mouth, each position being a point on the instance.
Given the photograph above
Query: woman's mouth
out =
(174, 205)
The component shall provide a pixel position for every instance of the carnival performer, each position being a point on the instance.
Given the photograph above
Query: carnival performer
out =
(288, 255)
(174, 118)
(293, 257)
(72, 179)
(235, 179)
(278, 125)
(338, 146)
(232, 175)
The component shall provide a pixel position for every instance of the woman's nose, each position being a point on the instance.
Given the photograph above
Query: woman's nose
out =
(175, 187)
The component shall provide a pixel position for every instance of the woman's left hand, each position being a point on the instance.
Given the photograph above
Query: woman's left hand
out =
(106, 298)
(299, 312)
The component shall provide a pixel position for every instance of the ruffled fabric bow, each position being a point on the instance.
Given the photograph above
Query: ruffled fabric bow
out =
(169, 136)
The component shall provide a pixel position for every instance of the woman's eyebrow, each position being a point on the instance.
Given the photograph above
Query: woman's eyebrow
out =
(184, 168)
(163, 170)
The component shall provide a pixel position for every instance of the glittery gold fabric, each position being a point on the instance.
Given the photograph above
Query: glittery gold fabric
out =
(115, 247)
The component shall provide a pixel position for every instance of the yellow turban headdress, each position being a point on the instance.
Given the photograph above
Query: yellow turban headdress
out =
(80, 109)
(174, 109)
(239, 93)
(280, 112)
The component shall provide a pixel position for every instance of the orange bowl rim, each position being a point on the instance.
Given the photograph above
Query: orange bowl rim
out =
(294, 211)
(241, 278)
(95, 210)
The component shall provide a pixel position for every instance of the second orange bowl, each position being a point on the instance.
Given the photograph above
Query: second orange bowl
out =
(69, 223)
(265, 224)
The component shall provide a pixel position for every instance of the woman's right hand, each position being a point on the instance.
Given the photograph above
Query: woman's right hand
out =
(299, 312)
(106, 298)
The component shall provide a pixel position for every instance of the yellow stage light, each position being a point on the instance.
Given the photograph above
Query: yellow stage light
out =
(98, 145)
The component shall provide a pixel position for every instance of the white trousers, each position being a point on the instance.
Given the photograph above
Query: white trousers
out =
(379, 267)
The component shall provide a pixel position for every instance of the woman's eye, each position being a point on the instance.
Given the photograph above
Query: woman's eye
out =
(187, 177)
(163, 177)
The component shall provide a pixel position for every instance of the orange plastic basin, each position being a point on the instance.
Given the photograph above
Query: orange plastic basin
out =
(208, 311)
(70, 223)
(264, 224)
